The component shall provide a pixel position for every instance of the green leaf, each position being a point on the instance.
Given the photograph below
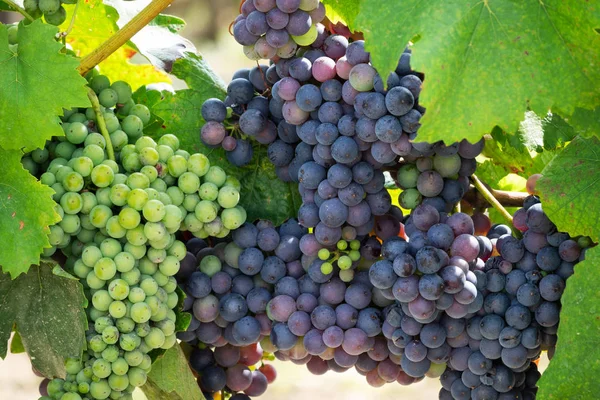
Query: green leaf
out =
(344, 11)
(557, 132)
(48, 311)
(182, 322)
(585, 122)
(171, 378)
(570, 186)
(488, 62)
(37, 82)
(26, 212)
(263, 195)
(157, 41)
(573, 372)
(95, 23)
(16, 344)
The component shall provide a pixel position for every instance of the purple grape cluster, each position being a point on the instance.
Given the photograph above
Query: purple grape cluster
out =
(276, 28)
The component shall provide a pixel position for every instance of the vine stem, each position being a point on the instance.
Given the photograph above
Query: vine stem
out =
(122, 36)
(19, 9)
(491, 199)
(64, 34)
(101, 123)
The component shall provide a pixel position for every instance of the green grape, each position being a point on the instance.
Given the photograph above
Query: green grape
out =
(111, 353)
(190, 201)
(177, 250)
(137, 199)
(40, 156)
(48, 178)
(159, 185)
(216, 175)
(169, 140)
(149, 286)
(344, 262)
(99, 83)
(136, 251)
(150, 172)
(229, 197)
(111, 121)
(133, 126)
(177, 165)
(103, 197)
(113, 165)
(324, 254)
(232, 218)
(214, 227)
(55, 386)
(124, 261)
(77, 117)
(100, 390)
(118, 139)
(347, 275)
(65, 150)
(110, 247)
(95, 138)
(164, 153)
(137, 376)
(62, 172)
(95, 153)
(140, 313)
(58, 192)
(206, 211)
(117, 309)
(147, 266)
(30, 165)
(172, 300)
(176, 195)
(108, 98)
(161, 279)
(93, 281)
(101, 300)
(188, 182)
(84, 387)
(167, 326)
(105, 269)
(123, 90)
(134, 358)
(56, 235)
(156, 255)
(149, 156)
(83, 166)
(136, 236)
(102, 175)
(170, 266)
(173, 216)
(119, 179)
(131, 277)
(99, 216)
(326, 268)
(73, 365)
(129, 218)
(86, 235)
(55, 165)
(124, 109)
(125, 325)
(208, 191)
(354, 255)
(101, 368)
(233, 182)
(118, 194)
(99, 238)
(155, 231)
(164, 198)
(131, 162)
(76, 132)
(152, 193)
(70, 224)
(171, 285)
(110, 335)
(182, 153)
(169, 342)
(155, 338)
(136, 295)
(137, 180)
(210, 265)
(88, 201)
(118, 382)
(118, 289)
(410, 198)
(142, 329)
(71, 202)
(192, 223)
(81, 270)
(127, 150)
(73, 182)
(342, 245)
(129, 341)
(446, 166)
(57, 18)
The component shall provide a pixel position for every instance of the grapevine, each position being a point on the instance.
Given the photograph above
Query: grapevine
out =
(356, 200)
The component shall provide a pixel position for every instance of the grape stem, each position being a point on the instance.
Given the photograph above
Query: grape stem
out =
(122, 36)
(101, 123)
(19, 9)
(64, 34)
(489, 196)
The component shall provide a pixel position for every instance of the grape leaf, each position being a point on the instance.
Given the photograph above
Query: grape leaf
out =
(26, 212)
(488, 62)
(171, 378)
(573, 372)
(157, 41)
(585, 122)
(344, 11)
(94, 24)
(570, 186)
(263, 195)
(48, 311)
(37, 82)
(16, 344)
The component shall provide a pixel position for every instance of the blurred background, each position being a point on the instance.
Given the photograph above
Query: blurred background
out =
(207, 27)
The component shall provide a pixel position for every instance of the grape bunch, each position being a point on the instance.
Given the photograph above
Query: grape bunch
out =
(53, 10)
(276, 28)
(119, 221)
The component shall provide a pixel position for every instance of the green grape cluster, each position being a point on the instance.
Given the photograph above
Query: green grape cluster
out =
(118, 233)
(53, 10)
(345, 255)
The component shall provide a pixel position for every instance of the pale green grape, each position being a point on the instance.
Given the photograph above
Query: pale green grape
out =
(137, 180)
(117, 309)
(137, 199)
(140, 312)
(105, 268)
(110, 335)
(149, 156)
(206, 211)
(150, 172)
(89, 201)
(118, 289)
(83, 166)
(216, 175)
(169, 140)
(229, 197)
(177, 165)
(129, 218)
(101, 300)
(114, 228)
(102, 175)
(73, 182)
(124, 261)
(110, 247)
